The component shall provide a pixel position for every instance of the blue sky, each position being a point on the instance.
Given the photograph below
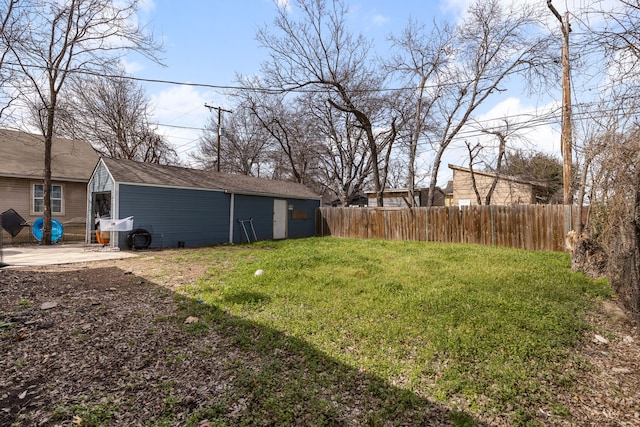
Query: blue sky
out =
(209, 41)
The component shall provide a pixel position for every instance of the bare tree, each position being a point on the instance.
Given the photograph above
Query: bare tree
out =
(292, 131)
(244, 146)
(10, 31)
(113, 114)
(345, 156)
(620, 34)
(65, 37)
(490, 46)
(507, 158)
(507, 131)
(473, 154)
(419, 59)
(318, 53)
(620, 233)
(610, 177)
(502, 145)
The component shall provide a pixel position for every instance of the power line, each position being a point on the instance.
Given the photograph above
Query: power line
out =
(292, 88)
(165, 125)
(584, 111)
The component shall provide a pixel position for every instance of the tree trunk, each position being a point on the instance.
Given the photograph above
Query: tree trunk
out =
(434, 176)
(413, 149)
(501, 152)
(48, 143)
(475, 185)
(581, 193)
(635, 303)
(376, 171)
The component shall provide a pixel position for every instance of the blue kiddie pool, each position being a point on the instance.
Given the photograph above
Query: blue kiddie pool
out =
(56, 229)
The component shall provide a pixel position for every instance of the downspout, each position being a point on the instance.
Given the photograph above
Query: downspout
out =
(231, 213)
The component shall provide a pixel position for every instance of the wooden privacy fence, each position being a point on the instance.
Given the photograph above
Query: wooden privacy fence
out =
(533, 227)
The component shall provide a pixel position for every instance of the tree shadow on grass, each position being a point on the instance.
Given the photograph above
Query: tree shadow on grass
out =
(123, 355)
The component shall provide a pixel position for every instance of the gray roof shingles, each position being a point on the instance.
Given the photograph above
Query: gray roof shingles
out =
(22, 156)
(129, 171)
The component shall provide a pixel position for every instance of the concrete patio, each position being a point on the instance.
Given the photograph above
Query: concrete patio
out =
(37, 255)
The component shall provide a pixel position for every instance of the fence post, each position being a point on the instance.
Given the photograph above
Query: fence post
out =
(570, 218)
(386, 231)
(426, 225)
(493, 227)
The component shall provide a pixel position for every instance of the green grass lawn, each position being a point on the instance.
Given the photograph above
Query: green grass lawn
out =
(481, 329)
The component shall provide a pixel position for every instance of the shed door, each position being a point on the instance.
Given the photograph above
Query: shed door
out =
(279, 219)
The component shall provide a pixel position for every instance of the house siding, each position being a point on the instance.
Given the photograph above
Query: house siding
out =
(101, 181)
(258, 208)
(299, 226)
(22, 165)
(399, 199)
(505, 193)
(300, 217)
(393, 200)
(17, 194)
(159, 210)
(75, 202)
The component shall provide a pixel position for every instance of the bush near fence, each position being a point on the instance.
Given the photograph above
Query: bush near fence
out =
(532, 227)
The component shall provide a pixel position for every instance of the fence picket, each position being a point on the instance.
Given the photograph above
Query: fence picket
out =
(534, 227)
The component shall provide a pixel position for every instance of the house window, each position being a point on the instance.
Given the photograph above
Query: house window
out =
(38, 199)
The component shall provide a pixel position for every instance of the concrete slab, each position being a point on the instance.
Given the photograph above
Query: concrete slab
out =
(38, 255)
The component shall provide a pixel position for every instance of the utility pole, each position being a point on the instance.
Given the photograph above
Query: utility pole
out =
(566, 105)
(220, 110)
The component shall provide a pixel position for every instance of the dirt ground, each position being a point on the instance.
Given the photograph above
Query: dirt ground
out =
(90, 342)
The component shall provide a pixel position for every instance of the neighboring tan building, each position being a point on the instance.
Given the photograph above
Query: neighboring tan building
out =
(399, 198)
(22, 176)
(508, 190)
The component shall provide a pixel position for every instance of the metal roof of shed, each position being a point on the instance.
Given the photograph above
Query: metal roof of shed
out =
(132, 172)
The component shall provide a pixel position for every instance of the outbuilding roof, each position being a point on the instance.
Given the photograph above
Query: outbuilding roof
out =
(22, 156)
(132, 172)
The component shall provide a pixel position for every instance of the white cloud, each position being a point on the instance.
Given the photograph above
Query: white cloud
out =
(457, 8)
(379, 20)
(178, 108)
(147, 6)
(539, 133)
(582, 8)
(536, 123)
(284, 4)
(131, 67)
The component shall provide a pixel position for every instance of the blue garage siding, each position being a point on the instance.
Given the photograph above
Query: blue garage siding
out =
(299, 226)
(196, 217)
(258, 208)
(261, 210)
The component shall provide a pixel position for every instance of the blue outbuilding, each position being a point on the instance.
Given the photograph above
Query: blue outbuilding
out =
(174, 206)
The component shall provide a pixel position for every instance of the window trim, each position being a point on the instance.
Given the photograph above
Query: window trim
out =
(33, 199)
